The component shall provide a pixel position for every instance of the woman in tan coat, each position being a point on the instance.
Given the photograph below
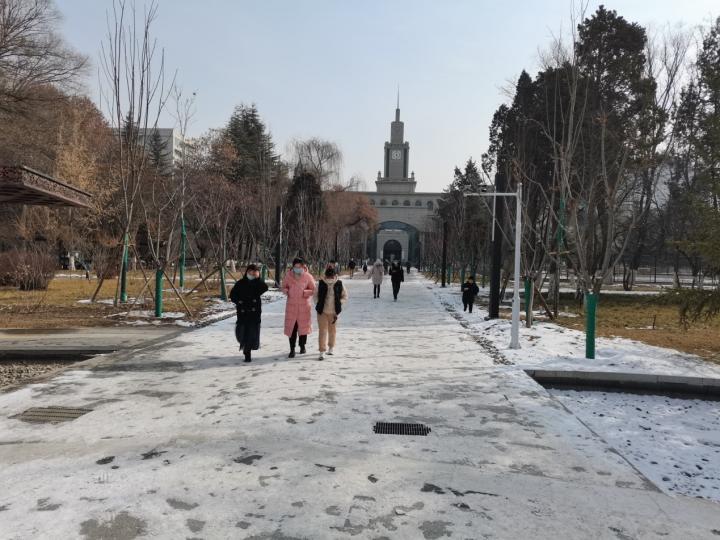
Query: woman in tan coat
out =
(330, 297)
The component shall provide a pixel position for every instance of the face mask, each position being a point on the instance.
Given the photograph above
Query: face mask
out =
(298, 271)
(250, 277)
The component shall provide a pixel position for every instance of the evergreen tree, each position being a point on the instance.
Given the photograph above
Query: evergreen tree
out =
(157, 151)
(305, 214)
(254, 149)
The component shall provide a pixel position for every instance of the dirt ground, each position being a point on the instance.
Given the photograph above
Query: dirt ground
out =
(643, 318)
(66, 302)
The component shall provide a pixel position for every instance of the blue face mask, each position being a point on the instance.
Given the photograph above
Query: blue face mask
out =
(250, 277)
(298, 271)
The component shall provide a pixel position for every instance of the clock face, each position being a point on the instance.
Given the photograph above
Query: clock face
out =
(396, 154)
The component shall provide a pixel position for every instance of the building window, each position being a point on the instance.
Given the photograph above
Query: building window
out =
(430, 205)
(406, 203)
(383, 202)
(418, 203)
(395, 203)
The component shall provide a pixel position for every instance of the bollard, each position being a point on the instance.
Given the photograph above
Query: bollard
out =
(590, 313)
(158, 292)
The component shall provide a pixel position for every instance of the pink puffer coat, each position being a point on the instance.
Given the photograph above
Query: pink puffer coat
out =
(298, 309)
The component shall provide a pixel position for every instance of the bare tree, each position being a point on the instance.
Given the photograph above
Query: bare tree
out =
(32, 54)
(323, 159)
(135, 94)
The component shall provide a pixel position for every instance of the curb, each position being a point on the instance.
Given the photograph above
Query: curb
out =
(698, 387)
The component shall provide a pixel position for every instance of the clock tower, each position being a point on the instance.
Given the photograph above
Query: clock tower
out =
(396, 165)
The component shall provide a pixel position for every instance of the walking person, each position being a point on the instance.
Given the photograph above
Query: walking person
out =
(469, 291)
(246, 294)
(377, 273)
(364, 267)
(351, 266)
(397, 276)
(299, 287)
(407, 267)
(329, 298)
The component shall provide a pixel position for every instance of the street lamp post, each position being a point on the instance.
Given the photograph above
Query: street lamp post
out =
(515, 329)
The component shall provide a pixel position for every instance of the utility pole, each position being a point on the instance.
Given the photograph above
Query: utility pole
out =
(444, 253)
(496, 251)
(515, 329)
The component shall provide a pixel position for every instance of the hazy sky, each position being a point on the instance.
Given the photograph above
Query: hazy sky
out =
(331, 68)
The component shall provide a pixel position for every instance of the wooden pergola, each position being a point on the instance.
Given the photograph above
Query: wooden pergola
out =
(22, 185)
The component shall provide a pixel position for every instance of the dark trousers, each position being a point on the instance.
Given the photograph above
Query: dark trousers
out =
(396, 289)
(376, 291)
(467, 305)
(293, 338)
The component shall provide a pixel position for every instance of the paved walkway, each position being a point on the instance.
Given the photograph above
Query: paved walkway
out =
(21, 342)
(184, 441)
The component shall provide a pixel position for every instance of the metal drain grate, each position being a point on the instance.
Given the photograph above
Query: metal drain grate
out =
(51, 414)
(399, 428)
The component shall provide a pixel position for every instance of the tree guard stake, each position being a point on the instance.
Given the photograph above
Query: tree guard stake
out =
(590, 309)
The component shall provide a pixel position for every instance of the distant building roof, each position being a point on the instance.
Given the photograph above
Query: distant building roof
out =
(22, 185)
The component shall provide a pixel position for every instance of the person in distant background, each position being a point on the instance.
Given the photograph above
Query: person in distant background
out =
(397, 276)
(351, 266)
(364, 268)
(246, 294)
(377, 273)
(407, 267)
(469, 291)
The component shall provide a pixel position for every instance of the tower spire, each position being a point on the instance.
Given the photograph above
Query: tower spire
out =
(397, 108)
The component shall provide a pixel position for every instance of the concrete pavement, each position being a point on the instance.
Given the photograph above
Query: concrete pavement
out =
(186, 441)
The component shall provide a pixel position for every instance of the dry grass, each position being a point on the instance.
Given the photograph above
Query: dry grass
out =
(58, 307)
(633, 317)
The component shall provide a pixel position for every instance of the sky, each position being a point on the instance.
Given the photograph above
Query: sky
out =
(331, 69)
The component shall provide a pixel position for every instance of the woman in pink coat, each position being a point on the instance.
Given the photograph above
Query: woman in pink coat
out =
(299, 287)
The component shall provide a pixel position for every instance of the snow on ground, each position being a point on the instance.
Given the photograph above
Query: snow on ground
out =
(184, 440)
(673, 442)
(549, 346)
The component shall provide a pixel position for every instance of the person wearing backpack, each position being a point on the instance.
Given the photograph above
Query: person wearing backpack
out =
(329, 297)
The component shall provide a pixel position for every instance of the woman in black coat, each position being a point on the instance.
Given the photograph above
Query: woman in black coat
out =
(397, 276)
(246, 296)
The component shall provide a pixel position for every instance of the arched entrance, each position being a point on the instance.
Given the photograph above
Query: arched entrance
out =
(392, 251)
(404, 234)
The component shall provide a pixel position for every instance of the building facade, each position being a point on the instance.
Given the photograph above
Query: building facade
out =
(405, 216)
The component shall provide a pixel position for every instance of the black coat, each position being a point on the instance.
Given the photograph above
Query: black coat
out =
(246, 296)
(397, 274)
(469, 291)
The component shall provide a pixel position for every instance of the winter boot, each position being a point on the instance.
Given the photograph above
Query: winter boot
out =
(248, 356)
(292, 353)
